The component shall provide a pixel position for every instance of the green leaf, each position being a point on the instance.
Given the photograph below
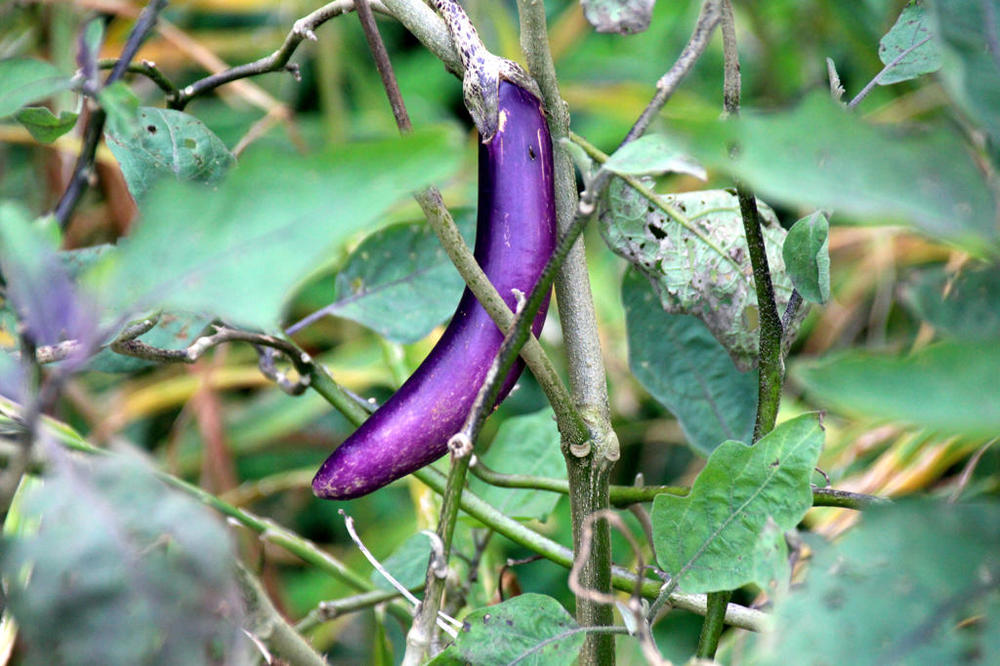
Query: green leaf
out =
(820, 156)
(122, 107)
(526, 444)
(407, 564)
(911, 28)
(807, 257)
(625, 17)
(966, 305)
(898, 589)
(949, 387)
(699, 265)
(728, 531)
(26, 80)
(678, 361)
(43, 125)
(497, 635)
(580, 158)
(968, 31)
(652, 154)
(236, 251)
(163, 143)
(398, 282)
(123, 570)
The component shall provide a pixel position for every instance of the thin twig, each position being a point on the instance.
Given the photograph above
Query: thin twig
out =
(970, 467)
(892, 63)
(665, 87)
(326, 611)
(304, 28)
(93, 131)
(148, 69)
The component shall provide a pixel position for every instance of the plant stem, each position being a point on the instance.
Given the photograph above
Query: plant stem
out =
(264, 622)
(589, 474)
(711, 628)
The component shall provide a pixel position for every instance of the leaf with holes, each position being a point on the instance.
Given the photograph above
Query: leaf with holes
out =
(911, 41)
(398, 282)
(807, 257)
(122, 569)
(516, 631)
(678, 361)
(914, 583)
(699, 264)
(728, 531)
(527, 444)
(167, 143)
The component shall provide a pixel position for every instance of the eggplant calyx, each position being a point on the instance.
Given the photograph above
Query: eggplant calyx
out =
(483, 70)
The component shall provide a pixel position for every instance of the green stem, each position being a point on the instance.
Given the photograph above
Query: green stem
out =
(331, 610)
(588, 474)
(711, 628)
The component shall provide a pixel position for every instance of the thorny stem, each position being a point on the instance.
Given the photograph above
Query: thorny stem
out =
(95, 123)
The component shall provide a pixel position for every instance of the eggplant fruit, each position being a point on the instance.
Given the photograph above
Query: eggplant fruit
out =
(516, 233)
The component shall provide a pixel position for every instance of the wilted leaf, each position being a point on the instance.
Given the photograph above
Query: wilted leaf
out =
(949, 387)
(966, 305)
(399, 282)
(526, 444)
(26, 80)
(622, 16)
(678, 361)
(701, 267)
(807, 257)
(165, 142)
(911, 40)
(122, 571)
(729, 530)
(237, 250)
(44, 125)
(497, 635)
(915, 583)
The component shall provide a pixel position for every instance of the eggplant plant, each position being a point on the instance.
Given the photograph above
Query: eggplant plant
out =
(757, 427)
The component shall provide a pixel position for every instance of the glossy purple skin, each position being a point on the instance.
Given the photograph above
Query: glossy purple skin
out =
(516, 234)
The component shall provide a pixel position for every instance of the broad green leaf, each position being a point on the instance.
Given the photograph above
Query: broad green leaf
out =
(44, 125)
(26, 80)
(915, 583)
(122, 108)
(168, 143)
(237, 250)
(625, 17)
(398, 282)
(949, 387)
(652, 154)
(498, 635)
(526, 444)
(807, 257)
(729, 530)
(910, 40)
(819, 155)
(699, 265)
(966, 305)
(678, 361)
(407, 564)
(122, 569)
(969, 31)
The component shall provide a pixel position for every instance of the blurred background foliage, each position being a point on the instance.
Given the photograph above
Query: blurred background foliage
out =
(221, 423)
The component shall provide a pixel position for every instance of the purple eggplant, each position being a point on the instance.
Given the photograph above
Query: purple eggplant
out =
(516, 232)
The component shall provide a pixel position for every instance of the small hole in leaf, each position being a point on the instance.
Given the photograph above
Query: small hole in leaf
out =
(151, 129)
(658, 233)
